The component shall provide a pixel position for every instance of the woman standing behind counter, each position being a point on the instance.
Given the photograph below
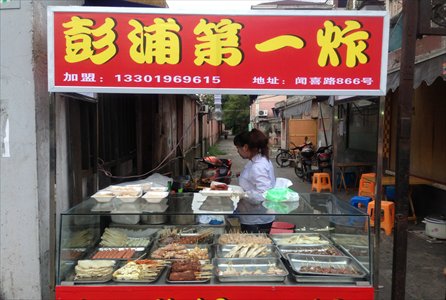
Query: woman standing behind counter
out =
(257, 177)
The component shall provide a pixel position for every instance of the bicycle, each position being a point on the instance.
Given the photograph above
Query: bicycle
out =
(286, 155)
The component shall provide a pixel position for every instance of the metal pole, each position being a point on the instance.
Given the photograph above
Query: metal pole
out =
(406, 94)
(379, 172)
(323, 124)
(334, 138)
(200, 134)
(52, 193)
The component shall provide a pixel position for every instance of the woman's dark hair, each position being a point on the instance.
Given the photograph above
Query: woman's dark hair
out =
(241, 139)
(256, 140)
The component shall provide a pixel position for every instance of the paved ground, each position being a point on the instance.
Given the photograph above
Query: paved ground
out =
(426, 258)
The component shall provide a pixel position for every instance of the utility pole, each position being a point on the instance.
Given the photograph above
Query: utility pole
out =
(406, 94)
(420, 18)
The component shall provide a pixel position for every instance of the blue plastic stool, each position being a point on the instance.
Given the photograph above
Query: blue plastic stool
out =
(390, 192)
(360, 202)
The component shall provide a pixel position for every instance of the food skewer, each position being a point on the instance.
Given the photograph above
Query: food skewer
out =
(144, 254)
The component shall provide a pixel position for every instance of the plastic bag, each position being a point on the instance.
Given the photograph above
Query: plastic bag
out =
(283, 183)
(211, 219)
(281, 195)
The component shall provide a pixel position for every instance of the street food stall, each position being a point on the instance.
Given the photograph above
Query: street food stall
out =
(126, 242)
(152, 245)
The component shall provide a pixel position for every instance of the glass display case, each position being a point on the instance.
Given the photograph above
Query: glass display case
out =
(325, 243)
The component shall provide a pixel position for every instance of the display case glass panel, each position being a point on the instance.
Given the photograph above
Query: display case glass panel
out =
(327, 242)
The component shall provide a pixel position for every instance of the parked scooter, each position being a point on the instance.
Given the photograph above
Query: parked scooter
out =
(311, 160)
(218, 169)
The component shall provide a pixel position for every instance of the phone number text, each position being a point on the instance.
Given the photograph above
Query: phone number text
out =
(167, 78)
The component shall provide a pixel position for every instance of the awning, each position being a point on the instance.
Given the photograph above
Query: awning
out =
(298, 108)
(427, 70)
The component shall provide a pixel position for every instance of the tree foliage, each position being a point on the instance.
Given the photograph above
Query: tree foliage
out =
(207, 99)
(236, 112)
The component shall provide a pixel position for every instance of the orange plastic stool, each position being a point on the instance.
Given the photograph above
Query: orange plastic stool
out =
(321, 181)
(367, 185)
(387, 215)
(370, 176)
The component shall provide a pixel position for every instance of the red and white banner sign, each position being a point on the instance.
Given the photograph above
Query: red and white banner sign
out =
(127, 50)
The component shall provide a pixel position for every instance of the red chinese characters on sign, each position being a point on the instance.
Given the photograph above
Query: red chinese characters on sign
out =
(175, 53)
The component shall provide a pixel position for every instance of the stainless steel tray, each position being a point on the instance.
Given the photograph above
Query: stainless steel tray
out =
(245, 269)
(239, 238)
(138, 252)
(193, 236)
(188, 247)
(270, 251)
(310, 250)
(72, 253)
(319, 279)
(184, 281)
(147, 242)
(300, 239)
(194, 229)
(336, 266)
(358, 253)
(148, 280)
(93, 280)
(90, 280)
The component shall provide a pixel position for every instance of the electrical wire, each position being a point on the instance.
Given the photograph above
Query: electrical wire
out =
(164, 162)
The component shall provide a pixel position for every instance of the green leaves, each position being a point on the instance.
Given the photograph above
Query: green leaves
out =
(236, 112)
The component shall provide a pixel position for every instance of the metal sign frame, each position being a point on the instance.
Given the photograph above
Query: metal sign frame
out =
(378, 68)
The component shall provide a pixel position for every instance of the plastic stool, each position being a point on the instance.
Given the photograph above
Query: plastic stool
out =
(387, 215)
(321, 181)
(360, 202)
(390, 192)
(367, 185)
(283, 225)
(369, 176)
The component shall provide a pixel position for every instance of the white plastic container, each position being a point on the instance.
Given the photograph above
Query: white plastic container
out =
(154, 196)
(103, 196)
(127, 194)
(435, 226)
(158, 189)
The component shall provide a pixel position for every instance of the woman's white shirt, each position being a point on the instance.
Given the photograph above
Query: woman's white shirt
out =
(257, 177)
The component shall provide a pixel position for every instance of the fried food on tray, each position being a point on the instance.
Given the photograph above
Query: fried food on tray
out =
(140, 270)
(244, 238)
(177, 251)
(189, 270)
(247, 250)
(114, 253)
(174, 235)
(88, 269)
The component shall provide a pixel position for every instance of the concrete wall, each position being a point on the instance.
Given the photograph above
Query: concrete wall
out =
(265, 102)
(24, 165)
(20, 268)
